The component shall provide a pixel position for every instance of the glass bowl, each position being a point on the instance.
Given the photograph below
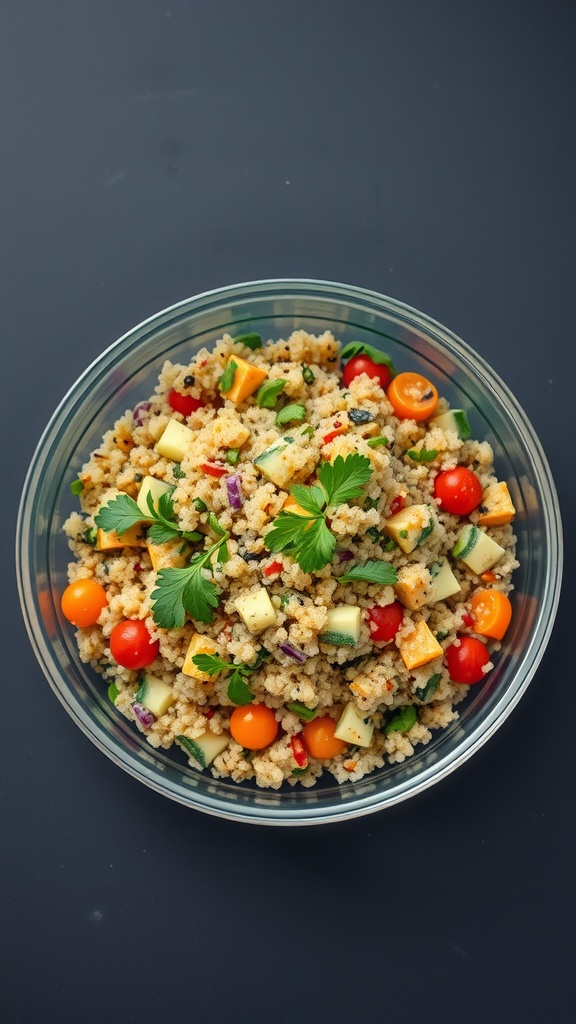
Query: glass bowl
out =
(126, 373)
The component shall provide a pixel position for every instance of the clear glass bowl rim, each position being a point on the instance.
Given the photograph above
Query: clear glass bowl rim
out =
(283, 288)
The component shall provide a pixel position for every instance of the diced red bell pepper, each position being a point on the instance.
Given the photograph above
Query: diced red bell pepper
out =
(299, 752)
(468, 619)
(397, 504)
(273, 568)
(185, 404)
(212, 469)
(339, 428)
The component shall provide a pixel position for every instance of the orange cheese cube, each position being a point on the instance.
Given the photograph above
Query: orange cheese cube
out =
(172, 554)
(247, 379)
(291, 505)
(498, 504)
(419, 647)
(134, 537)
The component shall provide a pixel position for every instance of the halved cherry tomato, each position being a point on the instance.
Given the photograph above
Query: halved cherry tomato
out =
(82, 602)
(465, 660)
(186, 404)
(318, 736)
(412, 396)
(491, 612)
(397, 504)
(385, 621)
(131, 644)
(458, 491)
(363, 364)
(254, 726)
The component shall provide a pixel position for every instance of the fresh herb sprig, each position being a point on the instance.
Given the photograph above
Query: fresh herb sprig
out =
(422, 454)
(238, 690)
(187, 590)
(122, 512)
(308, 538)
(377, 571)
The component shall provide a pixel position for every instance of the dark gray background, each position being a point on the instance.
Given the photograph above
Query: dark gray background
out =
(153, 150)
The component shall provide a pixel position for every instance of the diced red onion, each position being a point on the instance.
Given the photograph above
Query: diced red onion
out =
(139, 412)
(145, 717)
(234, 488)
(293, 652)
(345, 556)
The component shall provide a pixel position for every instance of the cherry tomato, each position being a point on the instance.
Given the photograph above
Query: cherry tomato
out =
(385, 621)
(458, 491)
(254, 726)
(397, 504)
(185, 404)
(412, 396)
(82, 602)
(363, 364)
(131, 644)
(466, 659)
(319, 739)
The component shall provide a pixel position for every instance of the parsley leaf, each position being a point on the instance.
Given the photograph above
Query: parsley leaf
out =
(179, 591)
(403, 720)
(343, 479)
(238, 690)
(252, 341)
(422, 454)
(77, 487)
(267, 394)
(372, 572)
(424, 693)
(119, 514)
(227, 379)
(294, 413)
(303, 712)
(211, 664)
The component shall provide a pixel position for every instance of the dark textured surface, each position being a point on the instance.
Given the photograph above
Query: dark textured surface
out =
(153, 150)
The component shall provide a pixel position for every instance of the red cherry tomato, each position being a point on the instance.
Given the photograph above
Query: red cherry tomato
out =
(131, 644)
(385, 621)
(185, 404)
(466, 659)
(458, 491)
(363, 364)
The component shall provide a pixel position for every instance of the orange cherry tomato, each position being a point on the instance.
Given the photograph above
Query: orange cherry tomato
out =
(82, 602)
(318, 736)
(254, 726)
(491, 613)
(412, 396)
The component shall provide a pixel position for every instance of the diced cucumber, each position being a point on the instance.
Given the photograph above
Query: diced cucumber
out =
(343, 625)
(153, 487)
(204, 748)
(444, 582)
(256, 610)
(155, 695)
(275, 462)
(352, 728)
(175, 441)
(454, 420)
(476, 549)
(410, 526)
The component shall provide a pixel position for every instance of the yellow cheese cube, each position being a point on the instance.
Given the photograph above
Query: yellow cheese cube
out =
(198, 645)
(410, 526)
(172, 554)
(175, 441)
(226, 431)
(498, 504)
(247, 379)
(155, 488)
(419, 647)
(413, 586)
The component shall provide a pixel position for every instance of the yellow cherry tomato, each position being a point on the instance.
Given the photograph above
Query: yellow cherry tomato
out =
(82, 602)
(254, 726)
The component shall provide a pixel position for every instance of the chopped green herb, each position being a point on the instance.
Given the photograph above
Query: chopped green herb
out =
(374, 533)
(214, 525)
(403, 720)
(306, 714)
(371, 502)
(232, 456)
(298, 772)
(76, 487)
(252, 341)
(238, 690)
(294, 413)
(308, 374)
(177, 471)
(90, 535)
(424, 693)
(308, 538)
(422, 454)
(403, 534)
(268, 392)
(441, 634)
(308, 430)
(376, 442)
(227, 379)
(372, 572)
(358, 348)
(200, 505)
(113, 692)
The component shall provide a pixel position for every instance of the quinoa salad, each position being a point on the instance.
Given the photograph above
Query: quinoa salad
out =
(293, 558)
